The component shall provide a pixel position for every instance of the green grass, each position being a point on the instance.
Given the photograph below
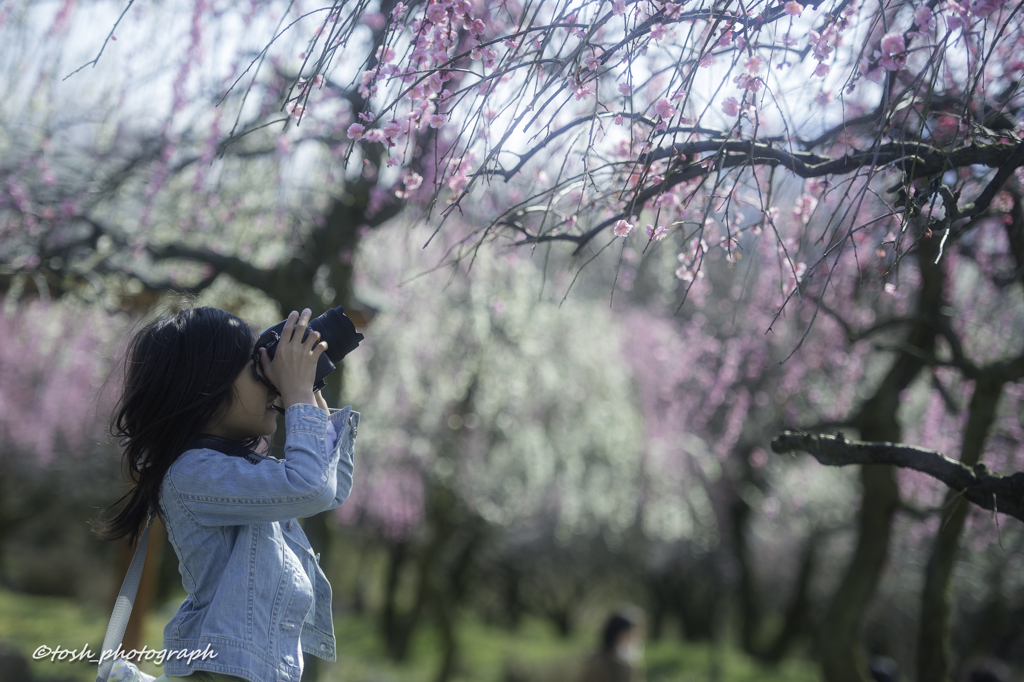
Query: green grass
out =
(26, 622)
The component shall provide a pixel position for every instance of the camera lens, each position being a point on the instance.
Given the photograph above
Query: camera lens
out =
(338, 331)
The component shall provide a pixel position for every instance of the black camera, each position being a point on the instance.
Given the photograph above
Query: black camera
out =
(335, 328)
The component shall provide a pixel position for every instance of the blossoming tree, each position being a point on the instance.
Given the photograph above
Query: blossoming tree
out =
(821, 140)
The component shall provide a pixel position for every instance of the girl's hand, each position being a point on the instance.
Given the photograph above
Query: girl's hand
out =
(321, 402)
(293, 368)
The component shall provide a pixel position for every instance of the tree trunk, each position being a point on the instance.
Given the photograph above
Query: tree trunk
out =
(933, 634)
(750, 608)
(841, 656)
(799, 605)
(842, 659)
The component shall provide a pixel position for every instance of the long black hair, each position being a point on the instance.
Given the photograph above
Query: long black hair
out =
(178, 376)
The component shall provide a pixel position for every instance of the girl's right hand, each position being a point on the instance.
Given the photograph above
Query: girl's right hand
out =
(293, 369)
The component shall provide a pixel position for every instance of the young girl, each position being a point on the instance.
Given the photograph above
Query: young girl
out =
(193, 408)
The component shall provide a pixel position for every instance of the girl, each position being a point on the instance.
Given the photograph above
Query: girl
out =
(193, 408)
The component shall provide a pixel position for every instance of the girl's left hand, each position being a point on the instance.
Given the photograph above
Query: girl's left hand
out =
(293, 368)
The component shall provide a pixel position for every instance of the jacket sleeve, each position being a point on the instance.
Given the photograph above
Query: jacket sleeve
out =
(219, 490)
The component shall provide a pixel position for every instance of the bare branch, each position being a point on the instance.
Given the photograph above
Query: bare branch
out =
(977, 484)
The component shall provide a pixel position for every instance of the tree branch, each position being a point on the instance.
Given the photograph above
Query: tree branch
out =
(977, 484)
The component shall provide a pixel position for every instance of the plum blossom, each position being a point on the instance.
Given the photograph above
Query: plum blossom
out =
(823, 43)
(624, 89)
(822, 70)
(355, 131)
(893, 55)
(436, 13)
(657, 31)
(983, 8)
(619, 7)
(656, 234)
(805, 206)
(622, 228)
(745, 81)
(754, 64)
(794, 8)
(663, 107)
(392, 129)
(924, 19)
(893, 43)
(731, 107)
(294, 110)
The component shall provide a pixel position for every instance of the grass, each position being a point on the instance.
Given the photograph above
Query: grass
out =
(532, 652)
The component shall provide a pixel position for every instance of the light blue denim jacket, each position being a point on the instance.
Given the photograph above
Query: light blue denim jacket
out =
(253, 582)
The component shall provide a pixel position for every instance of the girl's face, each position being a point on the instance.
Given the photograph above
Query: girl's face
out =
(250, 414)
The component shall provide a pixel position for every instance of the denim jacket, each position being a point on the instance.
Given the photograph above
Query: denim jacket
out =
(254, 585)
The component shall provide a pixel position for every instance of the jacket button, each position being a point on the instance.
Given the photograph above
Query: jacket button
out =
(291, 525)
(323, 647)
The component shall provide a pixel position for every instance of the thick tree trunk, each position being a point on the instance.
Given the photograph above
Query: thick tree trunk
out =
(842, 658)
(933, 635)
(839, 635)
(799, 605)
(750, 607)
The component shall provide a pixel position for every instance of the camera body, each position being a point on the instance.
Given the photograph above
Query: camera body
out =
(335, 328)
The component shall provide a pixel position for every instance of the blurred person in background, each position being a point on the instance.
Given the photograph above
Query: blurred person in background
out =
(620, 652)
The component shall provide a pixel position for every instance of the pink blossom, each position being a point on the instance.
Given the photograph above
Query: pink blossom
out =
(822, 70)
(893, 43)
(805, 206)
(664, 108)
(591, 62)
(581, 90)
(745, 81)
(355, 131)
(754, 64)
(730, 106)
(658, 31)
(622, 228)
(413, 181)
(656, 234)
(619, 7)
(436, 13)
(294, 110)
(924, 19)
(794, 8)
(477, 27)
(375, 20)
(398, 10)
(392, 129)
(983, 8)
(618, 120)
(624, 89)
(437, 120)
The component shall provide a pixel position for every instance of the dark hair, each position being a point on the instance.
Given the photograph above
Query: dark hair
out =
(178, 375)
(617, 624)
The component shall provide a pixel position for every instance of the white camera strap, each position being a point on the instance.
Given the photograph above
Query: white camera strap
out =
(123, 605)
